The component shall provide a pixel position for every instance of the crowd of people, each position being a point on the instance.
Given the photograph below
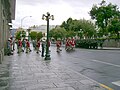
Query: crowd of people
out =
(23, 45)
(69, 44)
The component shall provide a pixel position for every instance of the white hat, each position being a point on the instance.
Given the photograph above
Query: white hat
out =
(9, 39)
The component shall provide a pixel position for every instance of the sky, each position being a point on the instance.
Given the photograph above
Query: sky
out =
(29, 12)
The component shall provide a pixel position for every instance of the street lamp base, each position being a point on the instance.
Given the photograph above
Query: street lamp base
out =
(47, 57)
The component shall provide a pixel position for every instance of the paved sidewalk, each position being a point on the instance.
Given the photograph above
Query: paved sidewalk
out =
(31, 72)
(111, 48)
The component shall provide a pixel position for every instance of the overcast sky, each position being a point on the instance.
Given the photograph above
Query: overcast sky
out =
(61, 9)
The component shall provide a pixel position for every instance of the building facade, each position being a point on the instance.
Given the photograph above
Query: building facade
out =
(7, 14)
(42, 28)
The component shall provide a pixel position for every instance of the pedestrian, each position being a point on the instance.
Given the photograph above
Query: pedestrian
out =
(38, 46)
(23, 45)
(49, 45)
(34, 44)
(58, 45)
(27, 46)
(19, 46)
(67, 45)
(72, 42)
(8, 47)
(11, 43)
(43, 47)
(14, 44)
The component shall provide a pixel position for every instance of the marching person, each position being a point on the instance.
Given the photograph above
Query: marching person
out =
(23, 44)
(19, 46)
(67, 45)
(72, 42)
(27, 46)
(58, 45)
(34, 44)
(38, 46)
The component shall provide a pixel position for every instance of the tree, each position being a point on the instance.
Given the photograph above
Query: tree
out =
(74, 26)
(70, 34)
(102, 13)
(67, 24)
(57, 32)
(18, 35)
(39, 35)
(88, 28)
(114, 26)
(33, 35)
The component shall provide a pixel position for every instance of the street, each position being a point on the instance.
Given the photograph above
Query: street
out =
(102, 66)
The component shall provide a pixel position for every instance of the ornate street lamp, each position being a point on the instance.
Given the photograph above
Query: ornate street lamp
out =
(47, 17)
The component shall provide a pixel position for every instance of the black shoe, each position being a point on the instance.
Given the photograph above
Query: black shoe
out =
(37, 52)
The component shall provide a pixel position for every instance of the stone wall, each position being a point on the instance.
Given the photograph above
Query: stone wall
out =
(5, 19)
(111, 43)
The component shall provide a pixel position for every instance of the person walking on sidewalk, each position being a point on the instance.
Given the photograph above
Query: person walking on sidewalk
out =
(38, 46)
(8, 47)
(43, 47)
(58, 45)
(27, 46)
(19, 46)
(23, 44)
(34, 44)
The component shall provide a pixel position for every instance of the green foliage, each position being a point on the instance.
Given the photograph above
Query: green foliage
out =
(70, 34)
(88, 28)
(33, 35)
(114, 26)
(57, 32)
(39, 35)
(87, 43)
(80, 27)
(67, 24)
(103, 13)
(18, 35)
(90, 43)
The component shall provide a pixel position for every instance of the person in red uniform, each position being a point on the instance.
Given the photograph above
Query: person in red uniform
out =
(19, 45)
(58, 45)
(38, 46)
(73, 42)
(27, 45)
(67, 45)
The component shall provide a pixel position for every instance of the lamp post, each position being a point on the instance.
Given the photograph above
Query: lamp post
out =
(47, 17)
(22, 23)
(23, 19)
(29, 33)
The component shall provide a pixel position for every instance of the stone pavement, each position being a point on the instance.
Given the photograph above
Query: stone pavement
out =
(4, 75)
(31, 72)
